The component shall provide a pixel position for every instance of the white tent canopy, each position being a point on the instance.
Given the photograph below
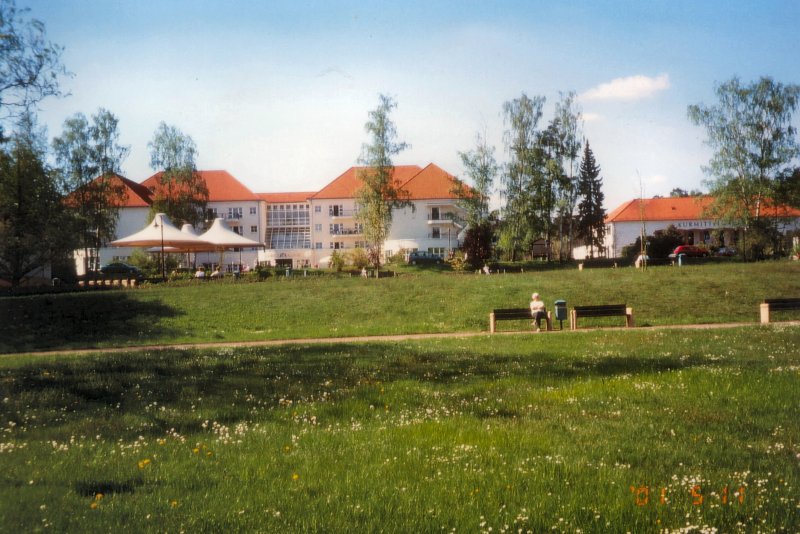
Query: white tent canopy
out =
(161, 232)
(222, 237)
(187, 228)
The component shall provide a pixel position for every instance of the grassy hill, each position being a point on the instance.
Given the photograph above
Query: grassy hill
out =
(331, 307)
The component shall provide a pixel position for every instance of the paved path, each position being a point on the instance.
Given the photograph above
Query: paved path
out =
(385, 338)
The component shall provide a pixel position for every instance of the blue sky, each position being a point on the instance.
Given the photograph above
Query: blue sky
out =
(277, 93)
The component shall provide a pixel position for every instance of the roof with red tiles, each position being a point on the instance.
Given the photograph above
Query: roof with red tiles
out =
(135, 194)
(138, 196)
(660, 209)
(281, 198)
(431, 182)
(347, 184)
(222, 186)
(678, 209)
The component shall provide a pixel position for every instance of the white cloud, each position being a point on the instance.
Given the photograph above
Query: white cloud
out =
(628, 88)
(591, 117)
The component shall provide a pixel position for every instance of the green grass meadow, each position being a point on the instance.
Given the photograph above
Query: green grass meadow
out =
(313, 307)
(601, 430)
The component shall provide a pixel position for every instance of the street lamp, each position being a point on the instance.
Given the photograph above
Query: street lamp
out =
(163, 265)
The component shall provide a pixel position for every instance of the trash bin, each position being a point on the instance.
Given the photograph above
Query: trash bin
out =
(680, 259)
(561, 312)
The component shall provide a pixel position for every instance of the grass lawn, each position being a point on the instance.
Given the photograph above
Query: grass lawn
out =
(603, 431)
(330, 307)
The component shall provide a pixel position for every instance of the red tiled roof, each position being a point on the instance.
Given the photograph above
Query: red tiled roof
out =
(431, 182)
(222, 186)
(135, 195)
(138, 196)
(678, 209)
(346, 185)
(660, 209)
(278, 198)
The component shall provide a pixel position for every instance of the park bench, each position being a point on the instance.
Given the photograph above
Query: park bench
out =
(770, 305)
(606, 310)
(513, 314)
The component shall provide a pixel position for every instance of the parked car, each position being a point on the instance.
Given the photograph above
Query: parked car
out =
(121, 270)
(726, 251)
(419, 257)
(689, 250)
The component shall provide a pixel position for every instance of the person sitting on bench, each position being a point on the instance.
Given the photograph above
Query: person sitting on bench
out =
(538, 311)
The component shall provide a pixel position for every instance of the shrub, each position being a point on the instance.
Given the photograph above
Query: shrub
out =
(358, 258)
(337, 261)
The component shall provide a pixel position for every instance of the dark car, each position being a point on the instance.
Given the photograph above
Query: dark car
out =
(121, 270)
(726, 251)
(689, 250)
(419, 257)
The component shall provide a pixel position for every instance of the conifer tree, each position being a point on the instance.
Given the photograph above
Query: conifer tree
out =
(591, 215)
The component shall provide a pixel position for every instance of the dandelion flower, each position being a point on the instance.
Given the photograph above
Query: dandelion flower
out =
(98, 496)
(196, 450)
(173, 503)
(94, 505)
(144, 463)
(295, 476)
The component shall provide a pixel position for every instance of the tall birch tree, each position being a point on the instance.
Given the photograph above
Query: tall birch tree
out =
(379, 192)
(181, 192)
(523, 175)
(750, 130)
(89, 158)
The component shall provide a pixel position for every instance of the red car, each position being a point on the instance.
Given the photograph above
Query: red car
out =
(689, 250)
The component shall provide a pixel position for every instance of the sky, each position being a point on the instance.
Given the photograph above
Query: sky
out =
(277, 93)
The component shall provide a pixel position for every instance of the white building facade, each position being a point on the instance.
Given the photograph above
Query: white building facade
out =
(689, 215)
(303, 229)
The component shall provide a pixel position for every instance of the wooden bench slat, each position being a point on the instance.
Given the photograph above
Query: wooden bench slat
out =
(501, 314)
(600, 311)
(606, 310)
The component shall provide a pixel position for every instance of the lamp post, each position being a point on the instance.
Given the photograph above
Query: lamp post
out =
(160, 225)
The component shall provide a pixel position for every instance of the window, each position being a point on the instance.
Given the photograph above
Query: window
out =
(436, 233)
(336, 244)
(288, 215)
(234, 213)
(434, 214)
(254, 229)
(317, 209)
(288, 238)
(211, 214)
(318, 245)
(437, 251)
(253, 210)
(336, 210)
(237, 229)
(317, 227)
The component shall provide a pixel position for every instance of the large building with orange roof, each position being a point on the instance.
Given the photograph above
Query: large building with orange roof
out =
(689, 215)
(302, 229)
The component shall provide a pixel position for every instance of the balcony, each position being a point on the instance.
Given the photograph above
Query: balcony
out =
(443, 221)
(342, 214)
(347, 231)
